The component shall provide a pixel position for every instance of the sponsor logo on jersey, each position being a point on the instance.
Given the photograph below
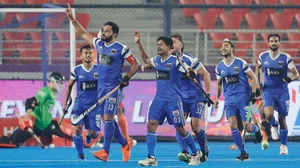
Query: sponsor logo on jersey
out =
(231, 79)
(274, 72)
(96, 75)
(113, 51)
(81, 77)
(112, 100)
(280, 63)
(176, 113)
(168, 66)
(162, 75)
(236, 69)
(88, 85)
(266, 63)
(106, 60)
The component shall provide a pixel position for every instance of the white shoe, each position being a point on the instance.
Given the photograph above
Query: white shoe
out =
(283, 150)
(265, 145)
(274, 133)
(195, 159)
(149, 161)
(134, 142)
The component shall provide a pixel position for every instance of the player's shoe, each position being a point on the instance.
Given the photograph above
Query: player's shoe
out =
(265, 145)
(283, 150)
(195, 159)
(258, 135)
(204, 157)
(81, 157)
(88, 139)
(274, 133)
(92, 142)
(149, 161)
(126, 150)
(184, 157)
(233, 147)
(101, 155)
(244, 156)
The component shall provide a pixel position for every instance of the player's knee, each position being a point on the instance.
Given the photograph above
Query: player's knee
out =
(78, 129)
(282, 123)
(92, 133)
(181, 131)
(233, 125)
(152, 125)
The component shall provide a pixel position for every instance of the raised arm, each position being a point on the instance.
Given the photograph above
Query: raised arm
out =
(145, 56)
(78, 28)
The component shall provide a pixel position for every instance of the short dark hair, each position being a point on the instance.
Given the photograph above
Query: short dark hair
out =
(179, 37)
(274, 35)
(229, 42)
(167, 40)
(114, 27)
(88, 47)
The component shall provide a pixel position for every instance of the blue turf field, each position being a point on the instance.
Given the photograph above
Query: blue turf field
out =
(166, 153)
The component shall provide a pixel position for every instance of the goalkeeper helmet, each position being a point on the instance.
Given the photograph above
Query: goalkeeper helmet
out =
(57, 79)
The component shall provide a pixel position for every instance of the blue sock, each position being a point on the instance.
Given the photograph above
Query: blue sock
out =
(78, 141)
(189, 140)
(255, 128)
(118, 135)
(237, 138)
(151, 142)
(201, 139)
(273, 122)
(183, 146)
(109, 131)
(283, 136)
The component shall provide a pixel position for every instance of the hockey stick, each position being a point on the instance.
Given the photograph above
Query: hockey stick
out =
(66, 110)
(33, 134)
(185, 67)
(81, 116)
(249, 114)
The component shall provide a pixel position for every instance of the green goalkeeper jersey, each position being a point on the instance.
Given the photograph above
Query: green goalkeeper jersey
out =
(42, 112)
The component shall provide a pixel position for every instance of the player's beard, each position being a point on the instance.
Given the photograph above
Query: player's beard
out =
(106, 39)
(88, 61)
(274, 48)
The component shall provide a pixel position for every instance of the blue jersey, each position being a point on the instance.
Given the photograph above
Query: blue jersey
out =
(86, 83)
(167, 78)
(275, 69)
(110, 59)
(234, 78)
(188, 86)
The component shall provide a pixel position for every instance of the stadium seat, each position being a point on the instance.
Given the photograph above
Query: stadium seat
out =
(7, 19)
(259, 48)
(244, 40)
(8, 49)
(29, 53)
(205, 20)
(290, 2)
(231, 20)
(281, 20)
(35, 35)
(240, 2)
(290, 48)
(57, 53)
(218, 38)
(297, 17)
(37, 1)
(293, 37)
(15, 35)
(190, 12)
(23, 17)
(256, 20)
(83, 19)
(55, 21)
(266, 2)
(15, 2)
(63, 2)
(217, 11)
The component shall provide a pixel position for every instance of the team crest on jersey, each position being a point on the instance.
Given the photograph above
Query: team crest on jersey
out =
(113, 51)
(280, 63)
(236, 69)
(266, 63)
(176, 113)
(168, 66)
(81, 77)
(222, 72)
(96, 75)
(112, 100)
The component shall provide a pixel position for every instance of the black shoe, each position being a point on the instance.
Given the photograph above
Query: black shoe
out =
(204, 157)
(244, 156)
(81, 157)
(258, 135)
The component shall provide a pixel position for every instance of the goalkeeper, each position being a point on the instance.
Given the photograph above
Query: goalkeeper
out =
(38, 115)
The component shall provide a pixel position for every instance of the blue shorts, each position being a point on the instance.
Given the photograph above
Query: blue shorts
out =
(111, 104)
(195, 109)
(281, 103)
(234, 107)
(159, 110)
(91, 121)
